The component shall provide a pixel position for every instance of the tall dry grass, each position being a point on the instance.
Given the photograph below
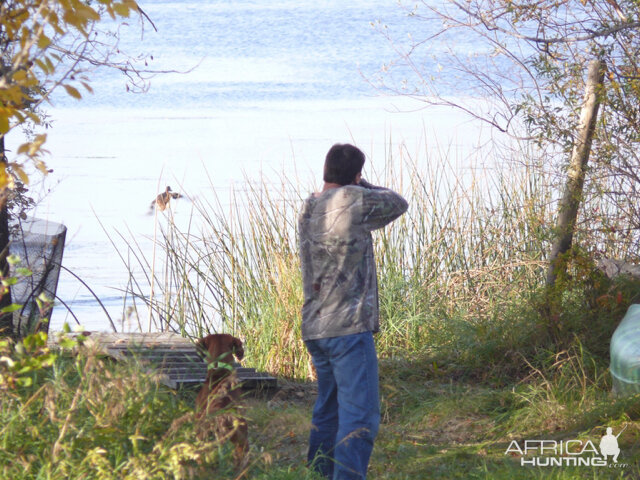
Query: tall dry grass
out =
(470, 247)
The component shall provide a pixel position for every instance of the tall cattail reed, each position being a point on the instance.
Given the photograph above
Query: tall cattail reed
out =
(471, 244)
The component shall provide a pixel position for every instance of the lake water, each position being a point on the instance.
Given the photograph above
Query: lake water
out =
(275, 85)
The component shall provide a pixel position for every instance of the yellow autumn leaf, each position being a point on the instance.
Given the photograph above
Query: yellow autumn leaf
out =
(24, 78)
(50, 66)
(34, 147)
(42, 66)
(54, 20)
(87, 87)
(14, 95)
(121, 9)
(73, 91)
(24, 178)
(110, 11)
(4, 177)
(19, 76)
(87, 13)
(71, 17)
(40, 139)
(40, 165)
(34, 117)
(55, 24)
(24, 37)
(43, 41)
(4, 124)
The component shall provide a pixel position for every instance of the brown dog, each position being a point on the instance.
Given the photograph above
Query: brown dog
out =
(220, 394)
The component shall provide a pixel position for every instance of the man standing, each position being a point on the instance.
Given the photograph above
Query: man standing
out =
(340, 311)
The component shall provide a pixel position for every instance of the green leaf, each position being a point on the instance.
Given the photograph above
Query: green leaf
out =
(13, 259)
(25, 381)
(14, 307)
(43, 297)
(66, 342)
(24, 272)
(35, 340)
(26, 368)
(221, 365)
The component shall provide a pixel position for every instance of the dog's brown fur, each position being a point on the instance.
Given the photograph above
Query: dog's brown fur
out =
(220, 394)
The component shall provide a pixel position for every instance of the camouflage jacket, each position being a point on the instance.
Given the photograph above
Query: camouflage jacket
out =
(336, 253)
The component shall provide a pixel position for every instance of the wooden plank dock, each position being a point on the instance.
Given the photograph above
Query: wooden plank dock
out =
(173, 356)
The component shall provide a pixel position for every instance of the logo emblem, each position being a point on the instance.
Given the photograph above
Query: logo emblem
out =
(576, 453)
(609, 444)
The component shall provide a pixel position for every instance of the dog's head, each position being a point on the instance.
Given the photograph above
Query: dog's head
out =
(220, 348)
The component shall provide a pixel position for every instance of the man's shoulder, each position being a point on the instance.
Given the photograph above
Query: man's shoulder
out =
(333, 203)
(347, 193)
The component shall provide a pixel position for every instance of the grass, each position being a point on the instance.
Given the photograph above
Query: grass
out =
(469, 248)
(88, 418)
(472, 357)
(461, 429)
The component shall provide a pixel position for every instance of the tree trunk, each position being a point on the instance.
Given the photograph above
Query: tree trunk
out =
(6, 319)
(570, 202)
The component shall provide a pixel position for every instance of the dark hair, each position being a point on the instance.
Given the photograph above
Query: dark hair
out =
(342, 164)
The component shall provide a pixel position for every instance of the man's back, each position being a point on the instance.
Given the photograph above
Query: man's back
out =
(336, 250)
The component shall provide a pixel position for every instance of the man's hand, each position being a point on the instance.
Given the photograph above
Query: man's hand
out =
(365, 184)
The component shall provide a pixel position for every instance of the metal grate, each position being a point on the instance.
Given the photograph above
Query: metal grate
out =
(180, 367)
(173, 356)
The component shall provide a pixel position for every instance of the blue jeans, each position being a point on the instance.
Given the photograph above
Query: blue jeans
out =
(346, 416)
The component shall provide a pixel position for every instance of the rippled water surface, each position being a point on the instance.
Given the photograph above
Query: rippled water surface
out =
(271, 86)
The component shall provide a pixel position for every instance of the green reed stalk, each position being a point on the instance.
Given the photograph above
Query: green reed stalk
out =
(461, 263)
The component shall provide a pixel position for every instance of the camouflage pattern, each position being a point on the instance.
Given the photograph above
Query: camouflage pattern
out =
(336, 252)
